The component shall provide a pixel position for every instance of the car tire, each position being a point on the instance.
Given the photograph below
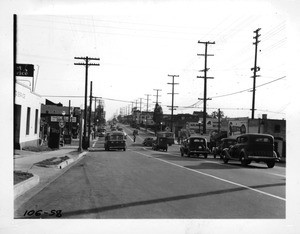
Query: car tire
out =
(205, 155)
(181, 152)
(271, 164)
(244, 161)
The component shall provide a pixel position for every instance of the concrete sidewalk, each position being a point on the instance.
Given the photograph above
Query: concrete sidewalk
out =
(24, 161)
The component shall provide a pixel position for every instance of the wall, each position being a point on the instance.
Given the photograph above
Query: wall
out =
(25, 98)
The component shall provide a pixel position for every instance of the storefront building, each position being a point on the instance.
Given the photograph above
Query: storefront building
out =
(27, 112)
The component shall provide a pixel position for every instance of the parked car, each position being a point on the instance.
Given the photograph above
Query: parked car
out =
(252, 147)
(115, 140)
(194, 146)
(160, 143)
(148, 141)
(224, 143)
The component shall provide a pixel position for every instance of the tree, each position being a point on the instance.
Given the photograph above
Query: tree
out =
(157, 115)
(215, 114)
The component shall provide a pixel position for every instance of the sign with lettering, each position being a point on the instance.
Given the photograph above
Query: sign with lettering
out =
(65, 118)
(25, 70)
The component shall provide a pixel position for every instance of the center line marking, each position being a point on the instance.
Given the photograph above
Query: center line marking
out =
(215, 177)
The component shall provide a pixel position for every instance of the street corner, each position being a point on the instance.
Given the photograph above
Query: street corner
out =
(23, 186)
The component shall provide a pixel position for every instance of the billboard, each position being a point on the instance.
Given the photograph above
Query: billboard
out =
(237, 126)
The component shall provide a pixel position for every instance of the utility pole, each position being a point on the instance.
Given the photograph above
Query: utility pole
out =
(90, 113)
(140, 110)
(205, 82)
(219, 120)
(141, 104)
(86, 64)
(15, 22)
(157, 95)
(69, 128)
(147, 109)
(172, 107)
(80, 132)
(255, 69)
(95, 117)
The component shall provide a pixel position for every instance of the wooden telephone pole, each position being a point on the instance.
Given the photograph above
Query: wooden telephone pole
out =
(255, 69)
(86, 64)
(205, 83)
(172, 107)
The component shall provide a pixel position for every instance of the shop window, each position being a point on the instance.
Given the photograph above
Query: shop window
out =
(28, 121)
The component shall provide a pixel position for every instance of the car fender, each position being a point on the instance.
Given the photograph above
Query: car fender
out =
(226, 153)
(243, 153)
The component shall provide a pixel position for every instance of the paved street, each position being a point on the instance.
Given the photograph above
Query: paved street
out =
(141, 183)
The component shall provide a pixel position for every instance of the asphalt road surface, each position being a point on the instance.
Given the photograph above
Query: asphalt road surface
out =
(140, 183)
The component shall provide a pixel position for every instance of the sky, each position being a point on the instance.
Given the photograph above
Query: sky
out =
(141, 44)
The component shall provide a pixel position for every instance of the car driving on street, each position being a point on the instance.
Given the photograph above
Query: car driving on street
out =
(252, 147)
(194, 146)
(160, 143)
(115, 140)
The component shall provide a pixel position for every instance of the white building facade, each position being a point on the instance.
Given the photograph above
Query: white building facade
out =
(27, 114)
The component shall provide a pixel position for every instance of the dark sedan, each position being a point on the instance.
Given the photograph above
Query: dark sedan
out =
(252, 147)
(194, 146)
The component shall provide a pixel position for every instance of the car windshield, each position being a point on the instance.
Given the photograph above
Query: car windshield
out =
(116, 137)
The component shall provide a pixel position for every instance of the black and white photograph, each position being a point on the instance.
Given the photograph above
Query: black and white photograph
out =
(150, 116)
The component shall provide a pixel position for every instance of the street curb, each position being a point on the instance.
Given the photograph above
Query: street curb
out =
(25, 185)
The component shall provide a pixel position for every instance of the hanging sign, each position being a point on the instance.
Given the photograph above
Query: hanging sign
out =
(24, 70)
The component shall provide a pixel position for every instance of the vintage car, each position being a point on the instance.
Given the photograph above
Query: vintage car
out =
(224, 143)
(148, 141)
(252, 147)
(169, 135)
(115, 140)
(194, 146)
(160, 143)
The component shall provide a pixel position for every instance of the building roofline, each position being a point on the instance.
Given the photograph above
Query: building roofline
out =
(25, 86)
